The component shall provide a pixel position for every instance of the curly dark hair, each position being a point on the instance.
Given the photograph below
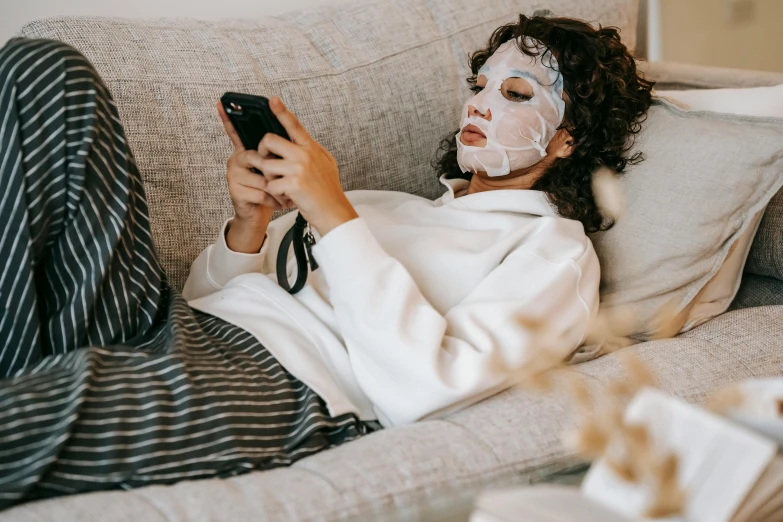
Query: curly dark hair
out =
(606, 102)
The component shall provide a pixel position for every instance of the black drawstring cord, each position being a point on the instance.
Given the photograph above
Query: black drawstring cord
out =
(303, 241)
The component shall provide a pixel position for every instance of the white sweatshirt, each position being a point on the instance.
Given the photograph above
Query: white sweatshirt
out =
(418, 306)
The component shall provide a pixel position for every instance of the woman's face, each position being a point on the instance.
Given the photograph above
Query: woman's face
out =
(517, 108)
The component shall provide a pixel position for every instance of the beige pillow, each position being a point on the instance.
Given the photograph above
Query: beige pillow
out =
(717, 295)
(719, 292)
(764, 102)
(705, 178)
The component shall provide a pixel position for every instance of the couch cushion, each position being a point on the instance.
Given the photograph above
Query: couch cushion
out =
(757, 290)
(734, 346)
(379, 83)
(704, 177)
(511, 438)
(766, 253)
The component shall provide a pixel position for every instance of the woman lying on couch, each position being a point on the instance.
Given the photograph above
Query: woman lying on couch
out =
(114, 380)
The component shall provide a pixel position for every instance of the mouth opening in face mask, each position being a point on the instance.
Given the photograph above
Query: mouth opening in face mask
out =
(473, 135)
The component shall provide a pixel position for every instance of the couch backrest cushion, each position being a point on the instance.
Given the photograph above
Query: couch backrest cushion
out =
(377, 82)
(766, 254)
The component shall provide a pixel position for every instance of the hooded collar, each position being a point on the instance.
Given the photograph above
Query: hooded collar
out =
(532, 202)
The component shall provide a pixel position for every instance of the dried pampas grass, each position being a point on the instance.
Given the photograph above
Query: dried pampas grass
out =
(670, 498)
(601, 430)
(627, 448)
(668, 321)
(611, 328)
(608, 193)
(725, 399)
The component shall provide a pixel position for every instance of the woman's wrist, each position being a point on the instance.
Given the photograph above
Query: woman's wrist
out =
(334, 219)
(246, 237)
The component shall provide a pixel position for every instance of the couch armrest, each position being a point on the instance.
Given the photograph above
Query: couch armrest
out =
(671, 75)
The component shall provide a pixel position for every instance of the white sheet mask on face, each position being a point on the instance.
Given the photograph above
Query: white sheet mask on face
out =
(519, 131)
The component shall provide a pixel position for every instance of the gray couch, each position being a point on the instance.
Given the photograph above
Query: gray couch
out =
(379, 83)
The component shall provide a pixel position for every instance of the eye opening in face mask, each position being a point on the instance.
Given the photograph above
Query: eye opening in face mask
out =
(478, 84)
(516, 96)
(517, 90)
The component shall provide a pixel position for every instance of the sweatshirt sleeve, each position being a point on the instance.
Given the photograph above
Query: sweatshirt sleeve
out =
(411, 360)
(217, 265)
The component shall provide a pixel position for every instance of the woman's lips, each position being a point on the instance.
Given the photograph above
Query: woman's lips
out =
(472, 135)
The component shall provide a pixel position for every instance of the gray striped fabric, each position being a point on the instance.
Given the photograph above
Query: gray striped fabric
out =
(110, 380)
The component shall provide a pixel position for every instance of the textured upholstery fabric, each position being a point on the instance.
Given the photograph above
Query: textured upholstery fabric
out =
(378, 83)
(731, 347)
(766, 253)
(756, 290)
(513, 437)
(704, 177)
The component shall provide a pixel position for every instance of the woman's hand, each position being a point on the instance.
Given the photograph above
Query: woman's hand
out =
(253, 205)
(305, 173)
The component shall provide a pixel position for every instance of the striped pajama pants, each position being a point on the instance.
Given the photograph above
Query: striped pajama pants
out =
(108, 379)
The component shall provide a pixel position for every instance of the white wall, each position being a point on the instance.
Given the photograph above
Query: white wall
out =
(15, 13)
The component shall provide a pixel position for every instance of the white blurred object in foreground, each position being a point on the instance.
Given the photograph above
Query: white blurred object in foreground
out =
(728, 473)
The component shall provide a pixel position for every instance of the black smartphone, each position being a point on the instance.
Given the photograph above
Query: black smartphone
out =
(252, 118)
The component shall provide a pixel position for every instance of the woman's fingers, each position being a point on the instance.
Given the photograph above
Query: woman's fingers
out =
(260, 197)
(270, 200)
(249, 159)
(279, 146)
(256, 192)
(291, 124)
(270, 166)
(253, 181)
(230, 130)
(275, 167)
(245, 178)
(264, 152)
(279, 188)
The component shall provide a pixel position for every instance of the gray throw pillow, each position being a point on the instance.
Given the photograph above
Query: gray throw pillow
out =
(704, 177)
(766, 254)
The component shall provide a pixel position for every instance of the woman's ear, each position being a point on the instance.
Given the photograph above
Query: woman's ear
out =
(562, 144)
